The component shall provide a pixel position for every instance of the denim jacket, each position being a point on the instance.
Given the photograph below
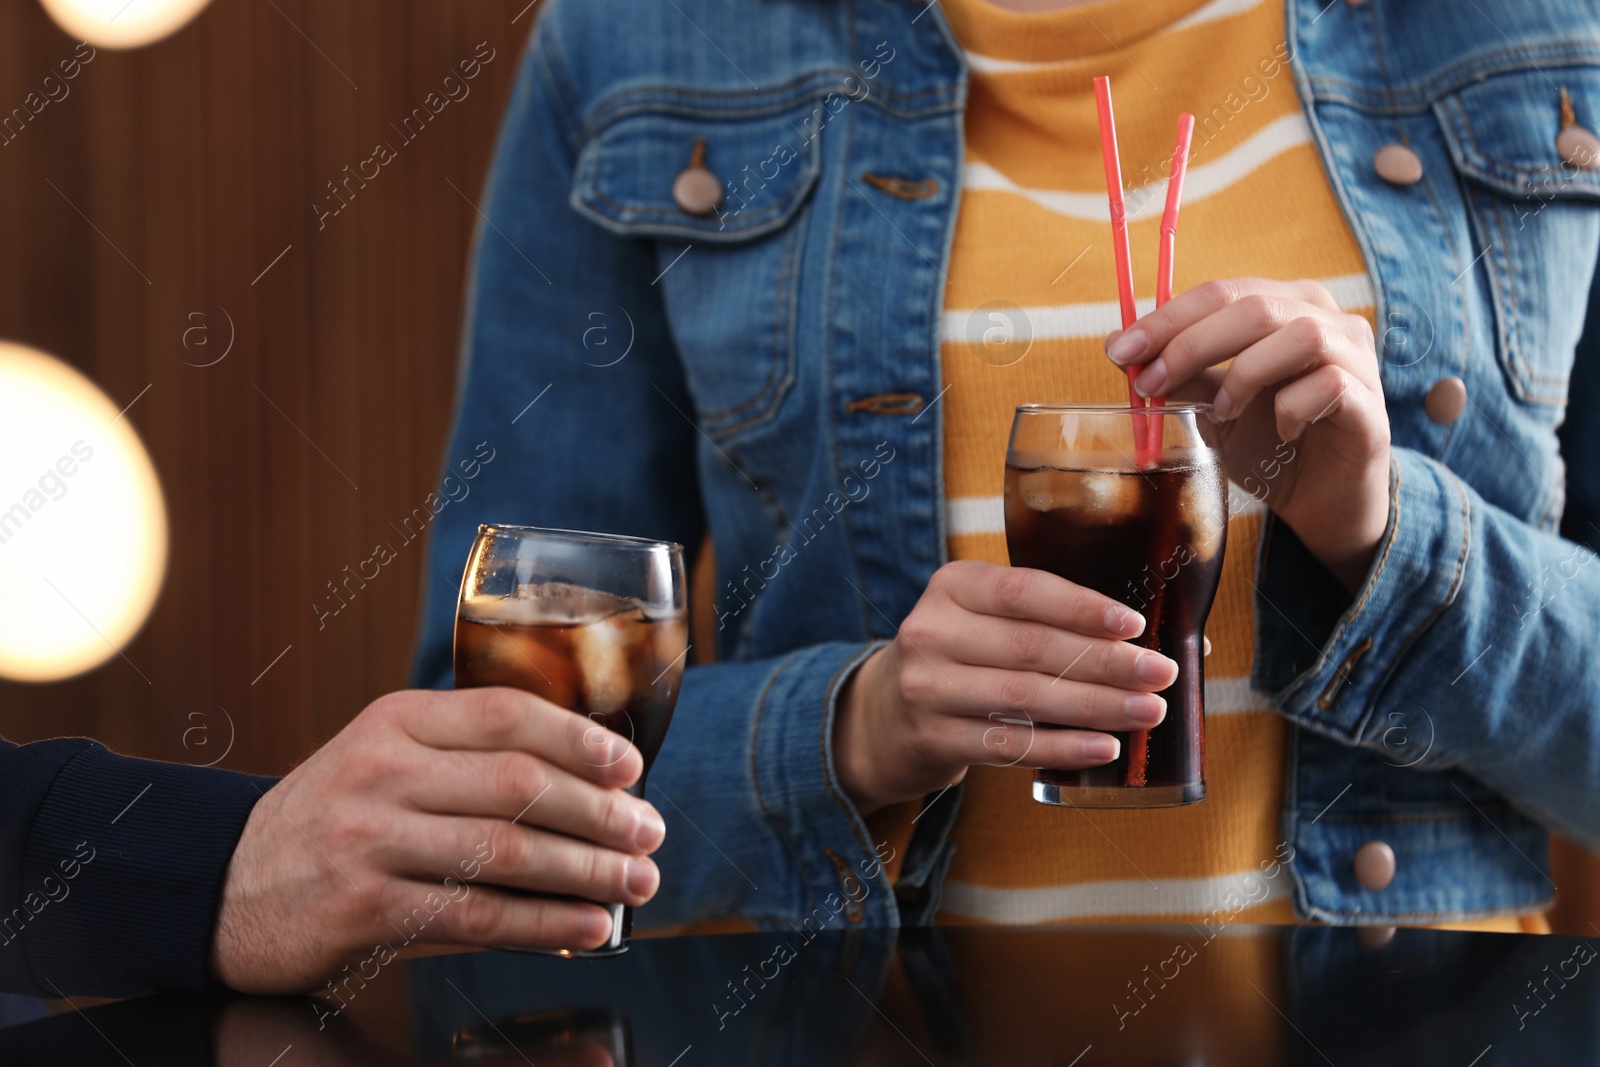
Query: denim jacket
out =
(769, 372)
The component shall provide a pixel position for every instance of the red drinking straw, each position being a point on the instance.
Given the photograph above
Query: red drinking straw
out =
(1169, 219)
(1119, 236)
(1139, 740)
(1169, 240)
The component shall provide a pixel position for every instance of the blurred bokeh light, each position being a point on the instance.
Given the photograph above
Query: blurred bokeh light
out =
(122, 23)
(83, 525)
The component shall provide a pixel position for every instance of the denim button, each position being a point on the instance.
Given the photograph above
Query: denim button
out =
(1446, 400)
(1375, 865)
(1578, 147)
(1397, 165)
(697, 191)
(1357, 3)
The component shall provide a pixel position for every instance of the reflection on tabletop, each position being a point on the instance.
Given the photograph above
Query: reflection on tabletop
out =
(956, 995)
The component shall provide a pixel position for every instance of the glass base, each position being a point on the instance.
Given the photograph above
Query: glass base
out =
(616, 944)
(1118, 796)
(572, 953)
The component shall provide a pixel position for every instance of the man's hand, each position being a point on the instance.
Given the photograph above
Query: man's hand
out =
(397, 829)
(1304, 422)
(987, 668)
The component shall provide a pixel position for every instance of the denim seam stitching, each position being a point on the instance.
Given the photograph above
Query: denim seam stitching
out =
(755, 777)
(1310, 674)
(830, 411)
(1456, 78)
(1438, 609)
(827, 414)
(1529, 369)
(1383, 69)
(549, 54)
(623, 103)
(846, 807)
(1491, 912)
(1483, 208)
(1509, 335)
(619, 103)
(1465, 316)
(1513, 171)
(781, 379)
(936, 300)
(768, 494)
(1513, 334)
(757, 224)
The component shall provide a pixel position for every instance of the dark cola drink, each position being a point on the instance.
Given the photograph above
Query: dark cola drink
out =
(1153, 539)
(594, 623)
(593, 653)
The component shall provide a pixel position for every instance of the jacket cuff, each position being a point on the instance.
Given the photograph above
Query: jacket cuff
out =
(122, 874)
(1327, 655)
(797, 787)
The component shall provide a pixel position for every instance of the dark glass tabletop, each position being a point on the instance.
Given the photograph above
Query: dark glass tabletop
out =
(1178, 996)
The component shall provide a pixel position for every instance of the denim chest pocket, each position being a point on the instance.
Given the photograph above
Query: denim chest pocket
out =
(729, 270)
(1536, 218)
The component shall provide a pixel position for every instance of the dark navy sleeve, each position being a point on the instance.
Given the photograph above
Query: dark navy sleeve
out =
(1580, 433)
(111, 868)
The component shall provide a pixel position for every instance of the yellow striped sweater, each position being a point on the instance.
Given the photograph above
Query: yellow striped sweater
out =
(1031, 295)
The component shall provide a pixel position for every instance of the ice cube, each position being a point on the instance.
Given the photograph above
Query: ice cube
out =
(602, 650)
(1202, 509)
(671, 638)
(1111, 497)
(1092, 496)
(565, 603)
(1049, 490)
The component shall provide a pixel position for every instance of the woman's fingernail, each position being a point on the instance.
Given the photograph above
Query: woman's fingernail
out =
(1120, 620)
(1156, 669)
(1101, 749)
(642, 877)
(1153, 380)
(1222, 405)
(1146, 708)
(1128, 345)
(595, 926)
(650, 832)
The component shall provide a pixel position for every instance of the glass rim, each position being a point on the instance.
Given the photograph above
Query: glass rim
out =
(1111, 409)
(583, 536)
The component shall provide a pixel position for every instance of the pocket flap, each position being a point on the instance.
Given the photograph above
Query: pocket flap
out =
(1502, 131)
(766, 163)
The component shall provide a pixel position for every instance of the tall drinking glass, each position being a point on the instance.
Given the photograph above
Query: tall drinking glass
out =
(1132, 503)
(591, 622)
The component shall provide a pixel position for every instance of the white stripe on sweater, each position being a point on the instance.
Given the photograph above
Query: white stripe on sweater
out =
(1149, 200)
(1222, 896)
(1065, 321)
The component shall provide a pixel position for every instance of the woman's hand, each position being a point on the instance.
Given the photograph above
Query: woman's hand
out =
(987, 668)
(397, 830)
(1304, 423)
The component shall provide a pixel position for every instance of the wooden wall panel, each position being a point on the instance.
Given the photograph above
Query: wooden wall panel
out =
(198, 159)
